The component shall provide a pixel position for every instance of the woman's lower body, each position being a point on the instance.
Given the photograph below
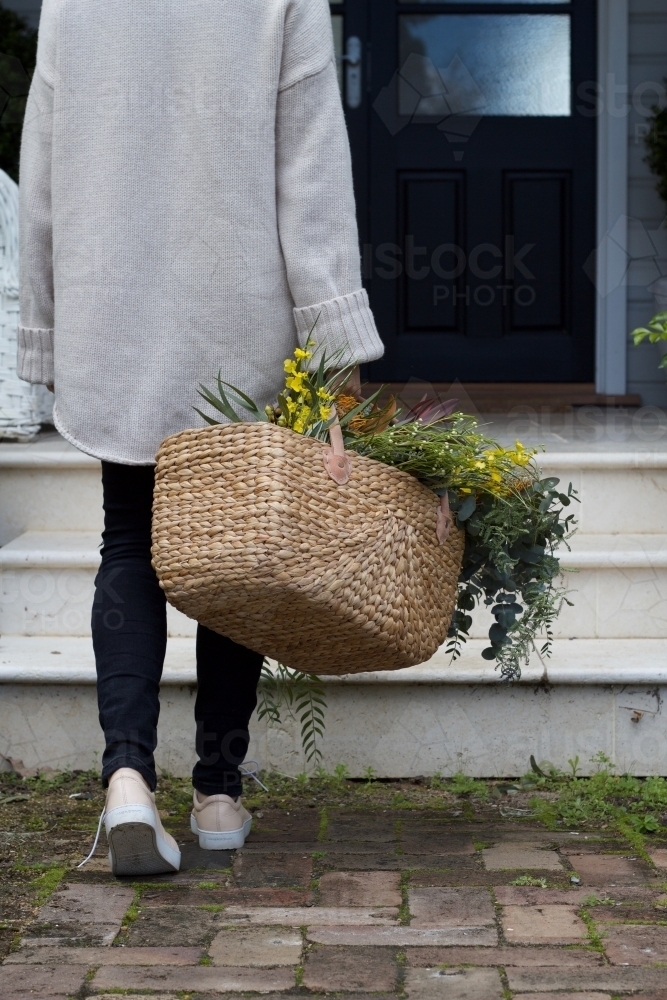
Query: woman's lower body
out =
(129, 624)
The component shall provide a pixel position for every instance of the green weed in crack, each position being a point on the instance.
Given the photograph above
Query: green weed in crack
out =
(404, 915)
(634, 807)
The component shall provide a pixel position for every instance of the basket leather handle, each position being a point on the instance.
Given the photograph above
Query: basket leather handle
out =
(337, 465)
(336, 462)
(445, 521)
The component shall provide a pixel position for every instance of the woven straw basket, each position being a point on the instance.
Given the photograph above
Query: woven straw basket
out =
(254, 539)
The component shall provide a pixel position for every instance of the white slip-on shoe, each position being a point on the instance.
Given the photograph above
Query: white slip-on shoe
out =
(138, 843)
(220, 822)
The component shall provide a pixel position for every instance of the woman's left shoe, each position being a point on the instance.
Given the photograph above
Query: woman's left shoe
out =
(220, 822)
(138, 843)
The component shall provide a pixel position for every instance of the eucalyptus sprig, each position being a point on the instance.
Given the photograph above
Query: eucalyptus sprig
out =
(301, 695)
(509, 564)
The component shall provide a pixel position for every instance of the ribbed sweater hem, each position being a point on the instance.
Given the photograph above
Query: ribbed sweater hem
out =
(343, 327)
(35, 355)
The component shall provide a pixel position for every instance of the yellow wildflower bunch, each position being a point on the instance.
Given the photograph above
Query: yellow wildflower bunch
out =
(306, 399)
(503, 467)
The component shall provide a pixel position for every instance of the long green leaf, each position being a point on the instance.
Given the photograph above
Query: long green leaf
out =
(209, 420)
(247, 403)
(344, 420)
(222, 405)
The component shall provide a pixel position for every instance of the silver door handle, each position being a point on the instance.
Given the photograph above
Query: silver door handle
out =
(353, 57)
(353, 51)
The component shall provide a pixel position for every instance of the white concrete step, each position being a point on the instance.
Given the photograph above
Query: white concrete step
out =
(49, 485)
(585, 662)
(47, 584)
(602, 690)
(619, 492)
(618, 586)
(593, 695)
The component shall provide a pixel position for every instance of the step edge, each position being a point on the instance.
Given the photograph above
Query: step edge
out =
(25, 559)
(48, 460)
(580, 559)
(647, 675)
(612, 560)
(600, 461)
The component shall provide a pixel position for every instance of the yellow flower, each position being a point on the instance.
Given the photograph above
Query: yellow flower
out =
(295, 381)
(290, 366)
(302, 355)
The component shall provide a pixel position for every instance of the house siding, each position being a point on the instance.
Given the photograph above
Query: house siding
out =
(647, 63)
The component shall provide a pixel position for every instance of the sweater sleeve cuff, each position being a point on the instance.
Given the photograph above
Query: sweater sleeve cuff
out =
(35, 355)
(343, 327)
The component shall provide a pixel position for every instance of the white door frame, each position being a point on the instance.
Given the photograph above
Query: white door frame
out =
(612, 199)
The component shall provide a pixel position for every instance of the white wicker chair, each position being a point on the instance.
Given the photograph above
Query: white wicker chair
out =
(23, 407)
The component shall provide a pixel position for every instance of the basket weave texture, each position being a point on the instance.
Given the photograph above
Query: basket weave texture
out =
(255, 541)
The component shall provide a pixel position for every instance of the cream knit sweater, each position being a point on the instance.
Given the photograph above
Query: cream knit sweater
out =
(186, 206)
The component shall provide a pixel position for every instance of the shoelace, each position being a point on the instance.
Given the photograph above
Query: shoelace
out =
(97, 837)
(251, 772)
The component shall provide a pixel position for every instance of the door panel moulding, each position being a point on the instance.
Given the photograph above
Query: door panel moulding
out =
(612, 198)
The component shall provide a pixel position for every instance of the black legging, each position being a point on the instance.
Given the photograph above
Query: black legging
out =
(130, 640)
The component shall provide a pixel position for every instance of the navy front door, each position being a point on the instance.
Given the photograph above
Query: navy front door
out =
(473, 138)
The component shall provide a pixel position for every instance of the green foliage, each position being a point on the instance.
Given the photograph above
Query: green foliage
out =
(404, 915)
(341, 774)
(633, 804)
(133, 910)
(537, 883)
(304, 405)
(655, 332)
(460, 784)
(35, 824)
(301, 695)
(324, 825)
(656, 148)
(594, 938)
(513, 522)
(509, 564)
(47, 879)
(18, 54)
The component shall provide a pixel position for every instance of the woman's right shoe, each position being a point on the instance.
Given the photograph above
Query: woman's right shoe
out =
(220, 822)
(138, 843)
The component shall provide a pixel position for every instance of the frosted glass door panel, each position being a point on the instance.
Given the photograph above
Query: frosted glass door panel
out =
(490, 64)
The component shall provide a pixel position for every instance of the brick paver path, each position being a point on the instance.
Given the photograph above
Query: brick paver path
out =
(396, 904)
